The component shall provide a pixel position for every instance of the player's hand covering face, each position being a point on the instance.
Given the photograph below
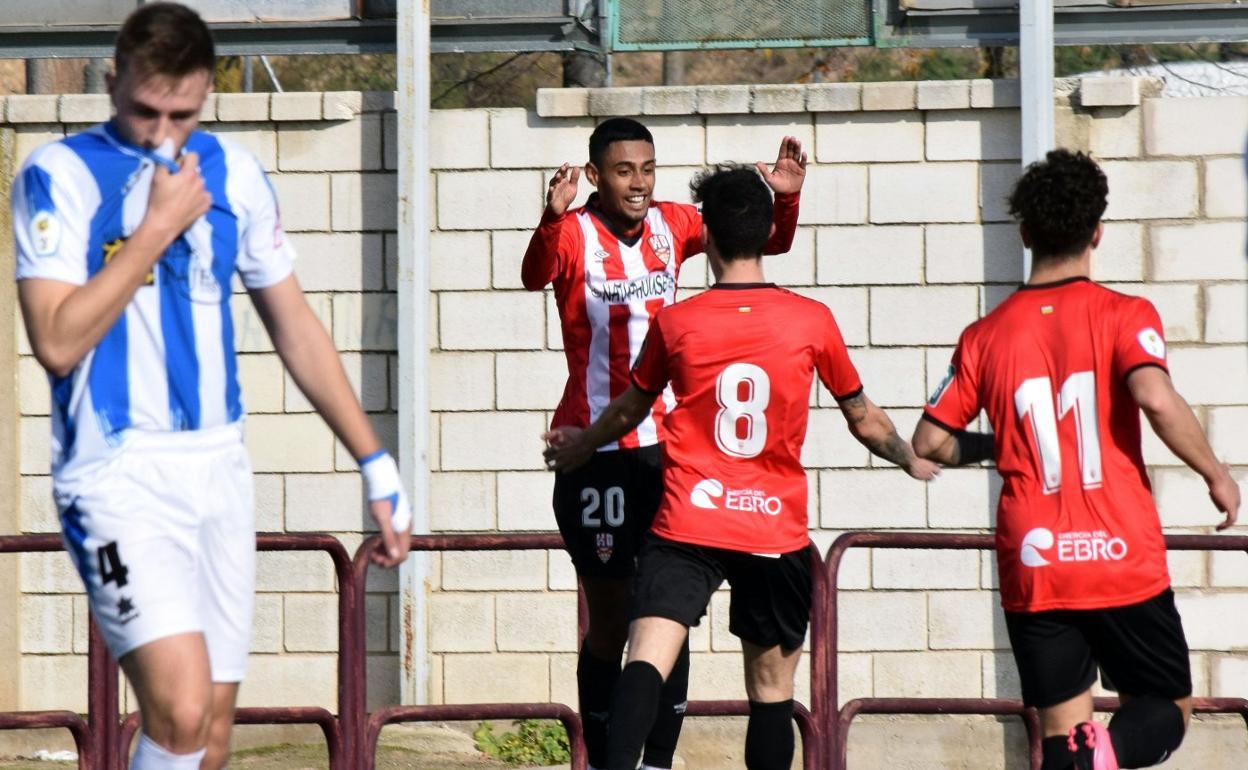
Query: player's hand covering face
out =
(789, 172)
(564, 449)
(625, 181)
(153, 109)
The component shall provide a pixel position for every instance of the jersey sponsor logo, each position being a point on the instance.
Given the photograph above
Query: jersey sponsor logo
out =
(707, 492)
(661, 247)
(1072, 547)
(655, 285)
(45, 233)
(1152, 343)
(941, 388)
(110, 250)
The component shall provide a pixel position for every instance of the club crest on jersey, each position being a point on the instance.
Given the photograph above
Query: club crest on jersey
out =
(1152, 343)
(45, 233)
(1072, 547)
(661, 247)
(605, 542)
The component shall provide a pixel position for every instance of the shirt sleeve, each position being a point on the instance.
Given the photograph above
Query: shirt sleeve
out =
(1140, 340)
(551, 250)
(50, 229)
(955, 402)
(784, 212)
(650, 371)
(266, 255)
(836, 370)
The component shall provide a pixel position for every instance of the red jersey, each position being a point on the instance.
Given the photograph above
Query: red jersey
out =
(1076, 526)
(609, 290)
(740, 358)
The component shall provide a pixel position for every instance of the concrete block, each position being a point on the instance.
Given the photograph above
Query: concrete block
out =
(517, 631)
(717, 622)
(868, 137)
(796, 268)
(31, 108)
(267, 624)
(1109, 92)
(490, 321)
(339, 262)
(987, 94)
(306, 198)
(36, 507)
(1187, 569)
(294, 572)
(1228, 569)
(1210, 376)
(42, 624)
(524, 501)
(1176, 303)
(1213, 621)
(783, 97)
(1226, 187)
(52, 682)
(892, 376)
(1230, 677)
(853, 674)
(377, 628)
(85, 108)
(904, 192)
(461, 623)
(1226, 432)
(364, 201)
(1000, 676)
(1151, 189)
(1116, 132)
(928, 675)
(341, 105)
(320, 146)
(1226, 313)
(944, 94)
(28, 138)
(470, 441)
(257, 140)
(870, 255)
(973, 254)
(366, 372)
(924, 569)
(562, 102)
(1204, 251)
(365, 321)
(615, 101)
(520, 139)
(996, 181)
(324, 502)
(270, 496)
(870, 621)
(1195, 126)
(208, 113)
(830, 445)
(715, 100)
(929, 315)
(1120, 257)
(461, 138)
(461, 381)
(834, 97)
(834, 195)
(290, 443)
(459, 261)
(494, 571)
(310, 623)
(48, 573)
(390, 141)
(678, 141)
(966, 620)
(290, 680)
(496, 678)
(849, 307)
(530, 380)
(670, 100)
(554, 331)
(1183, 499)
(242, 108)
(888, 96)
(973, 135)
(963, 498)
(561, 574)
(34, 395)
(296, 105)
(462, 502)
(750, 138)
(490, 200)
(718, 677)
(855, 499)
(35, 445)
(262, 379)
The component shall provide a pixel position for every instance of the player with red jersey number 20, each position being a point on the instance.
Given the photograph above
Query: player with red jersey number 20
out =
(1062, 368)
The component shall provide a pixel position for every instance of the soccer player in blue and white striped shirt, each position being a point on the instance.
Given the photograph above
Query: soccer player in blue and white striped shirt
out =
(128, 237)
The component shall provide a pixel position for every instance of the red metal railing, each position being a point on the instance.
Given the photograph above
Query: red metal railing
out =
(836, 730)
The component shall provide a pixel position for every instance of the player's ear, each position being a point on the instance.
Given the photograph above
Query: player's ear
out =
(1097, 234)
(1022, 233)
(591, 173)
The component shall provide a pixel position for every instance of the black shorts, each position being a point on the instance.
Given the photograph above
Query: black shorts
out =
(605, 507)
(770, 595)
(1141, 647)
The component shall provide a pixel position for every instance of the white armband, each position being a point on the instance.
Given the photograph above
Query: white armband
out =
(382, 482)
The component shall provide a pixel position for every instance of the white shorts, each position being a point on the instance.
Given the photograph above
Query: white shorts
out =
(164, 539)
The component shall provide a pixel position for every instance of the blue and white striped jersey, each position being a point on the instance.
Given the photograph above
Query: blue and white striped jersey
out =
(168, 364)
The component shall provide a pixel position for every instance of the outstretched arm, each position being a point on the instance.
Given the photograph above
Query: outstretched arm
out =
(541, 260)
(951, 448)
(1174, 423)
(785, 178)
(569, 448)
(874, 430)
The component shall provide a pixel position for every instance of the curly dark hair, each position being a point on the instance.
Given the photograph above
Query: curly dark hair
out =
(736, 207)
(1060, 201)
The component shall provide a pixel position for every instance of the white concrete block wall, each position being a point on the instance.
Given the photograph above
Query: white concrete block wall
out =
(905, 235)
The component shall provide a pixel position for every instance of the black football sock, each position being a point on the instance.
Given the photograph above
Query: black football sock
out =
(661, 743)
(1146, 730)
(769, 736)
(595, 680)
(1057, 753)
(633, 706)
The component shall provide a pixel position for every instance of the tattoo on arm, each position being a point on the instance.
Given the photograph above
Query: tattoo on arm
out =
(855, 409)
(891, 447)
(888, 445)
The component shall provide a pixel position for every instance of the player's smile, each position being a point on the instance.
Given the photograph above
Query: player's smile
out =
(625, 182)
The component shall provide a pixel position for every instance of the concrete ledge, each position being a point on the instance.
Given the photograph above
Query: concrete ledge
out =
(944, 94)
(85, 108)
(562, 102)
(834, 97)
(1109, 92)
(31, 108)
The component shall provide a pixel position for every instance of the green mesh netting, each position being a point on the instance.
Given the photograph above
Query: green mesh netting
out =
(653, 22)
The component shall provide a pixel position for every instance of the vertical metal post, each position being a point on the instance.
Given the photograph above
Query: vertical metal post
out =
(1035, 66)
(413, 288)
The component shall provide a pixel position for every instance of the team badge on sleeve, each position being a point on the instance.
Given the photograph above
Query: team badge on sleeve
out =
(940, 389)
(45, 233)
(1152, 343)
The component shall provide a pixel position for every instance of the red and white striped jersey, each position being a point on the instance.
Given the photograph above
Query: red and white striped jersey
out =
(608, 291)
